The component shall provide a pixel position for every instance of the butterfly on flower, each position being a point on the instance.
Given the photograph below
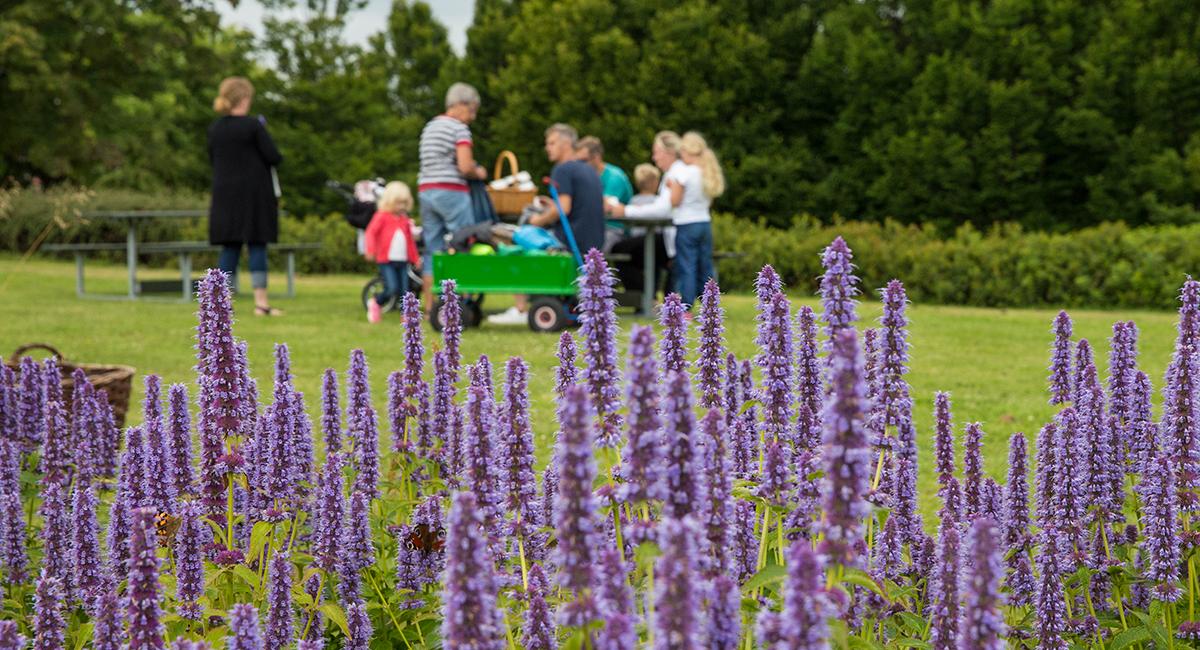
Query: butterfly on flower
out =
(166, 525)
(426, 538)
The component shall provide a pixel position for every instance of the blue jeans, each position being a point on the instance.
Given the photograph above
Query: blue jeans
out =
(693, 264)
(227, 261)
(442, 212)
(395, 281)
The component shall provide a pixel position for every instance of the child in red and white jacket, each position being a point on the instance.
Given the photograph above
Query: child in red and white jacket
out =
(389, 242)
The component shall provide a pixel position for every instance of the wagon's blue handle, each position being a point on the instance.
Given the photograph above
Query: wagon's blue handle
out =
(562, 217)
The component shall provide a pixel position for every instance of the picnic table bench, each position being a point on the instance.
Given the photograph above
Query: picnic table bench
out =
(184, 250)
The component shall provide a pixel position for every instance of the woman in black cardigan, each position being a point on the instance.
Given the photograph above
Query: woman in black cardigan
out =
(245, 209)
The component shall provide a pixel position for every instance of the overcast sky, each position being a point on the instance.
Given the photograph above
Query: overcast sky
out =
(454, 14)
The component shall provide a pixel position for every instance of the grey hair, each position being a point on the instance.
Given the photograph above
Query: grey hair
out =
(565, 130)
(462, 93)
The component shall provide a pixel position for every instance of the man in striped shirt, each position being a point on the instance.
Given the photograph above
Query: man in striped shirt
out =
(447, 161)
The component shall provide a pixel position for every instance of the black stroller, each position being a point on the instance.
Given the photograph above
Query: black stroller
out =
(358, 214)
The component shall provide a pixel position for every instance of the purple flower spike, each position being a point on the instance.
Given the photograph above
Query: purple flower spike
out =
(809, 384)
(1060, 360)
(179, 426)
(1122, 368)
(144, 592)
(414, 352)
(279, 602)
(566, 372)
(1180, 421)
(538, 631)
(904, 496)
(331, 414)
(893, 356)
(441, 430)
(838, 290)
(470, 618)
(718, 512)
(1070, 483)
(575, 519)
(1085, 370)
(12, 513)
(415, 567)
(549, 493)
(886, 559)
(744, 446)
(331, 509)
(684, 475)
(359, 624)
(805, 602)
(82, 421)
(120, 518)
(85, 546)
(452, 327)
(1051, 606)
(745, 549)
(31, 405)
(774, 342)
(766, 285)
(244, 630)
(712, 345)
(676, 621)
(479, 451)
(973, 469)
(185, 644)
(355, 549)
(673, 346)
(616, 602)
(1019, 580)
(56, 535)
(871, 363)
(397, 412)
(191, 539)
(221, 387)
(1047, 442)
(847, 455)
(641, 461)
(517, 443)
(776, 483)
(49, 626)
(599, 330)
(363, 428)
(733, 396)
(156, 460)
(1162, 544)
(943, 590)
(1142, 431)
(943, 437)
(724, 614)
(109, 633)
(982, 624)
(10, 636)
(56, 450)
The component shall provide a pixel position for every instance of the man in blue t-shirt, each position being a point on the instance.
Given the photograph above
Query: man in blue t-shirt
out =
(582, 199)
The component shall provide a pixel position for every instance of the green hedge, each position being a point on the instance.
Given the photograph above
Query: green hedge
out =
(1110, 265)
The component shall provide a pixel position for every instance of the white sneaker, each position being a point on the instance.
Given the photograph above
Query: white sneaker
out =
(511, 316)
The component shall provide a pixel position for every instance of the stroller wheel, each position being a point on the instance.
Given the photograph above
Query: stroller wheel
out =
(376, 286)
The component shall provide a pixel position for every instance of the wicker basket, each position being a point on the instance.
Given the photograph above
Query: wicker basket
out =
(116, 381)
(509, 200)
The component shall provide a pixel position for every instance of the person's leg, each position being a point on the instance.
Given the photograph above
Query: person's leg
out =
(402, 275)
(227, 261)
(391, 281)
(686, 263)
(432, 232)
(707, 268)
(258, 275)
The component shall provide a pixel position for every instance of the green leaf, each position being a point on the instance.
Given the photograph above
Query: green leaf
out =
(859, 642)
(258, 539)
(218, 530)
(83, 634)
(748, 404)
(909, 643)
(334, 612)
(1129, 637)
(857, 577)
(645, 553)
(768, 575)
(249, 577)
(1162, 638)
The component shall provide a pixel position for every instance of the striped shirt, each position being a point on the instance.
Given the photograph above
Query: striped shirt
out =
(439, 154)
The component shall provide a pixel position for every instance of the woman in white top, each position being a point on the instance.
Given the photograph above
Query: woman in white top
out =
(692, 178)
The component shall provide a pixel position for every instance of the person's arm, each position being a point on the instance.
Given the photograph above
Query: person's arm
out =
(465, 157)
(266, 146)
(414, 258)
(659, 209)
(549, 216)
(676, 192)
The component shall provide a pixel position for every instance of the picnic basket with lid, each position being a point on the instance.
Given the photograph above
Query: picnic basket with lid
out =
(509, 200)
(115, 380)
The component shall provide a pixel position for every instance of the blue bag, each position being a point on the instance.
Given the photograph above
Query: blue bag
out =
(534, 238)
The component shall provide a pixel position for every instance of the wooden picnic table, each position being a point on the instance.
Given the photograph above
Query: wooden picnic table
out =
(183, 249)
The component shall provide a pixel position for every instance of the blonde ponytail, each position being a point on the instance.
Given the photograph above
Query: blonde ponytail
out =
(231, 93)
(713, 178)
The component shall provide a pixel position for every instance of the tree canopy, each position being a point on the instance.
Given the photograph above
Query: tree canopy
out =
(1053, 113)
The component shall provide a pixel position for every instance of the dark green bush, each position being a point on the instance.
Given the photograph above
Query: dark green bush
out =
(1111, 265)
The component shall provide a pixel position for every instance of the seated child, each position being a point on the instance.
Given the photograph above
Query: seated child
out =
(389, 242)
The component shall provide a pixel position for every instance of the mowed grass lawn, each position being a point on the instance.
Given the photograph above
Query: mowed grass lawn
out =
(992, 361)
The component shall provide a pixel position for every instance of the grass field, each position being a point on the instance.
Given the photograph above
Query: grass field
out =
(993, 362)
